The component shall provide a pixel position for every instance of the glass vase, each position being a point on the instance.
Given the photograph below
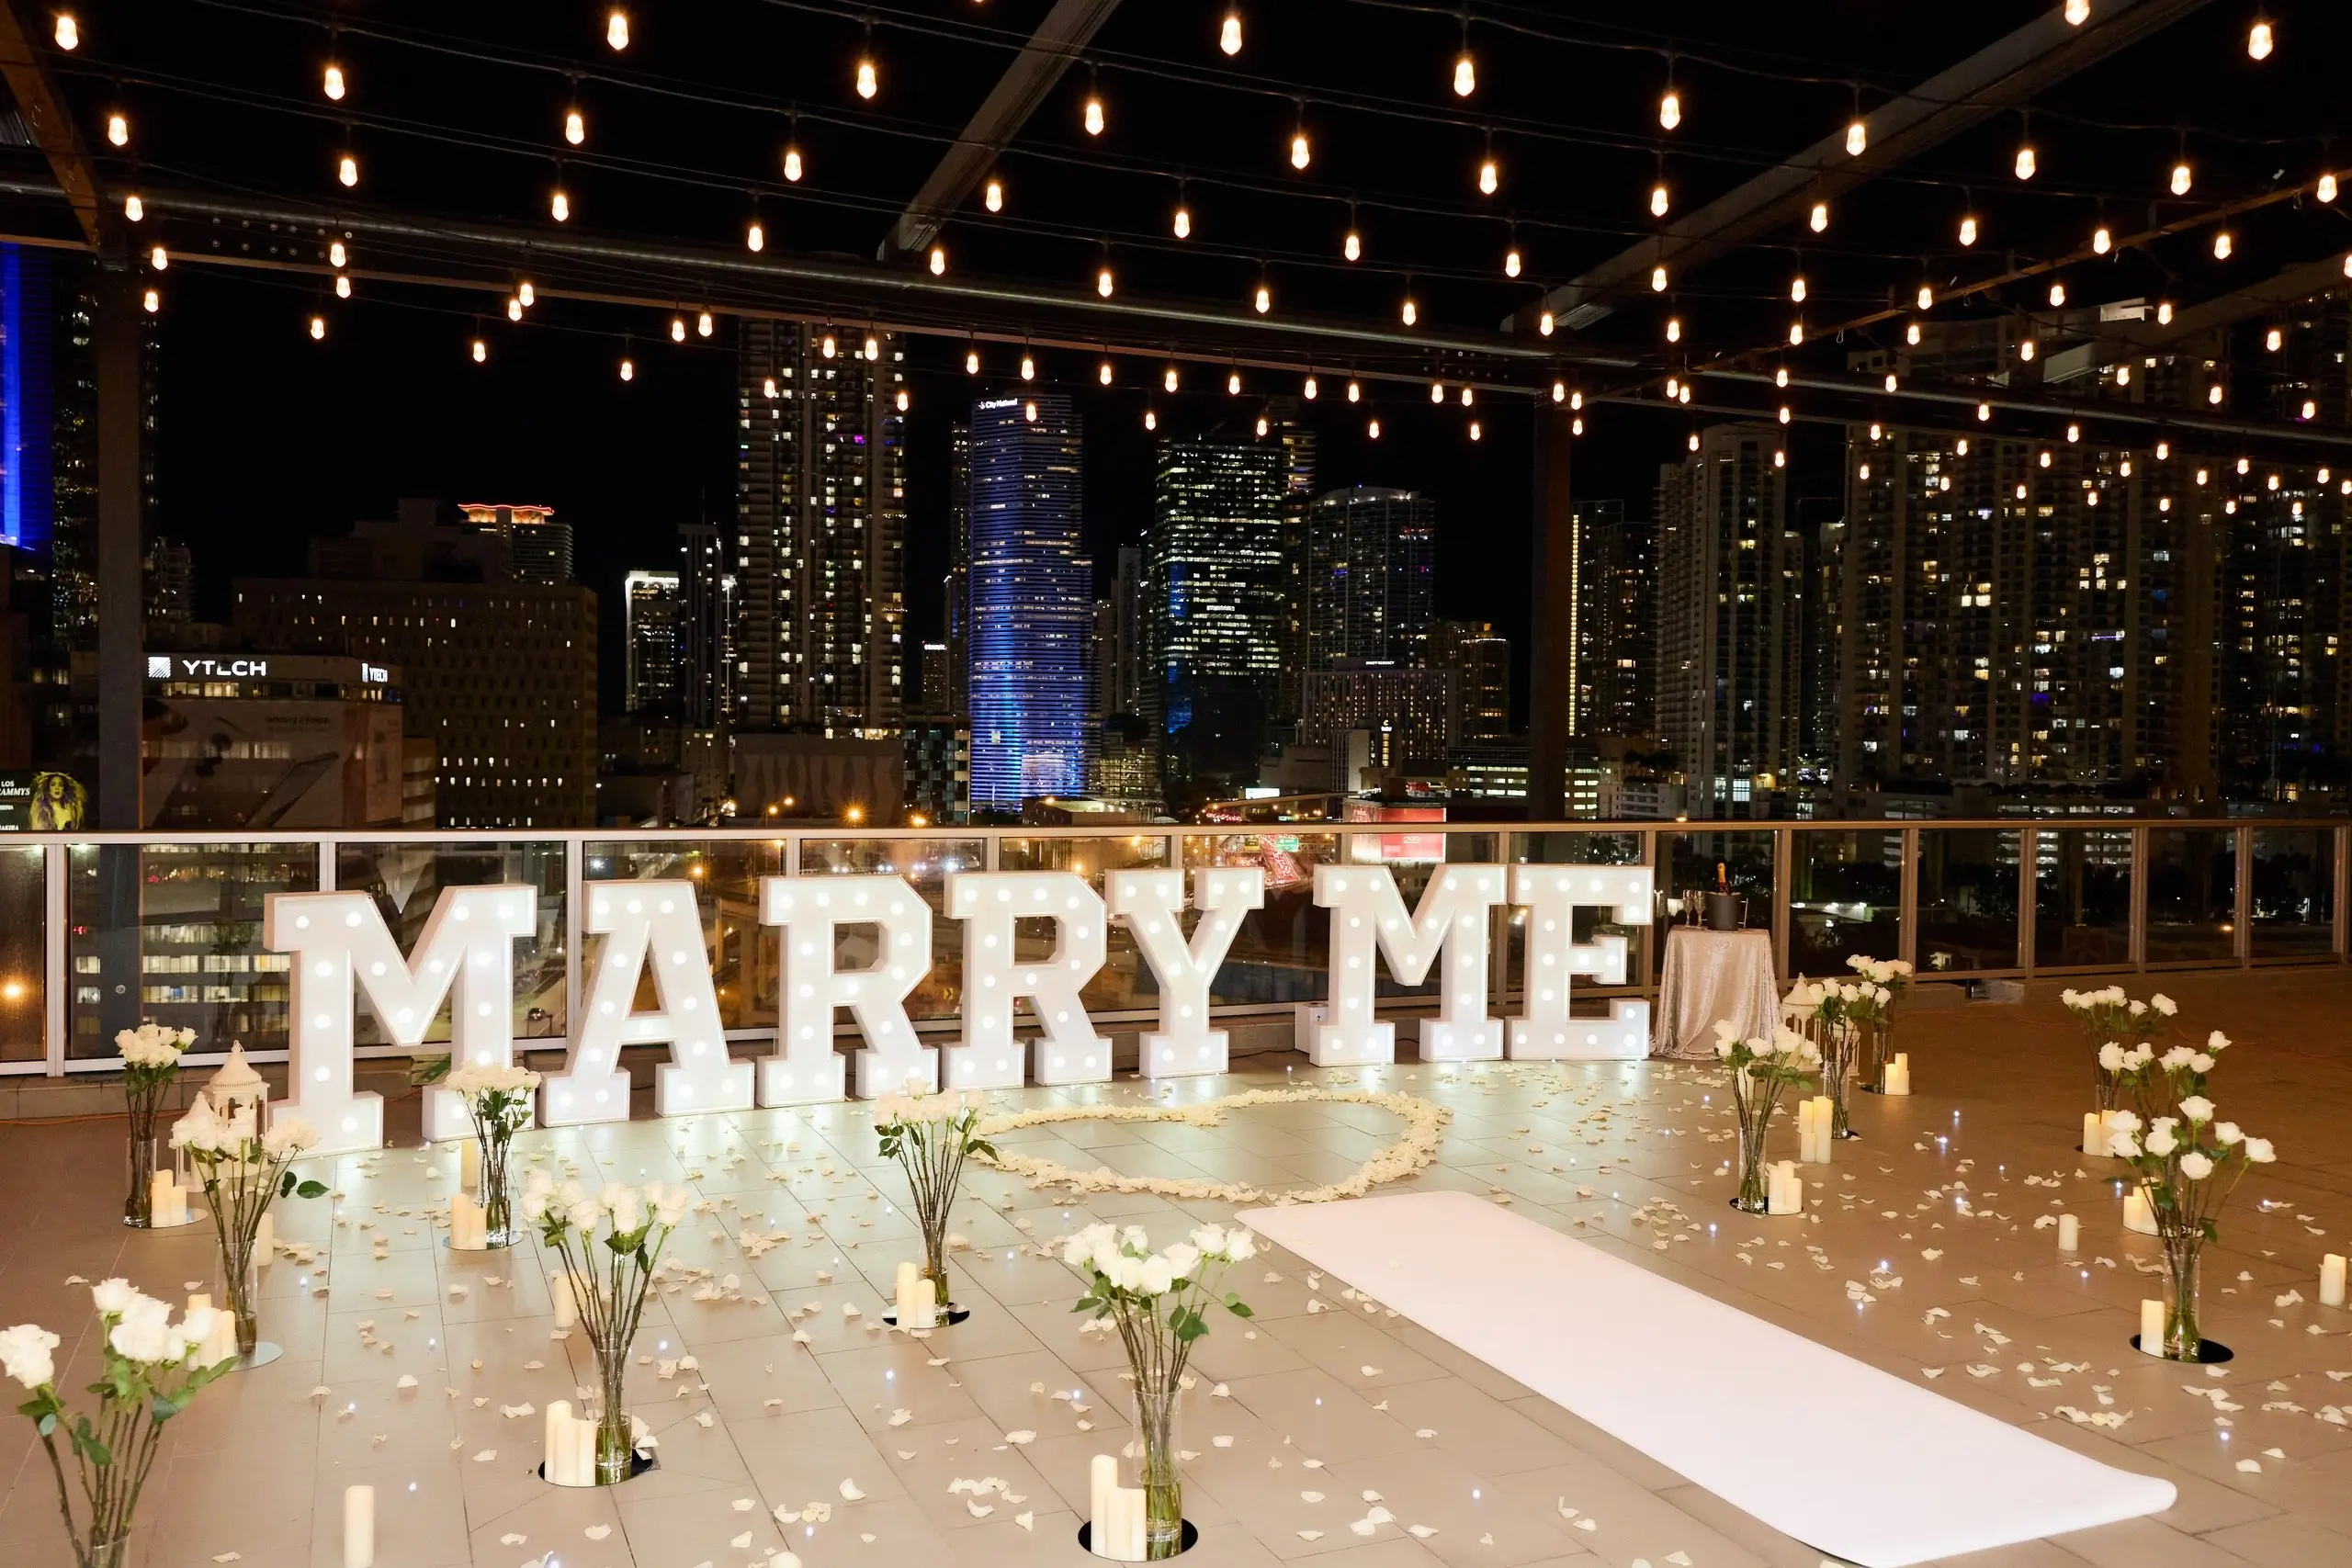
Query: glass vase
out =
(1755, 1191)
(1153, 1466)
(2182, 1341)
(934, 1263)
(239, 1273)
(144, 1157)
(1837, 1042)
(115, 1553)
(497, 1205)
(616, 1445)
(1870, 1053)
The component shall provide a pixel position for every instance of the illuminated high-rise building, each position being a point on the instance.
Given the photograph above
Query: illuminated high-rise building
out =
(705, 627)
(1032, 601)
(1371, 575)
(821, 531)
(539, 546)
(1215, 610)
(650, 606)
(1616, 628)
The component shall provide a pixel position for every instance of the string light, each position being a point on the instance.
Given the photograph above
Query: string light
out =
(2274, 340)
(575, 126)
(1263, 426)
(1301, 152)
(1093, 118)
(1355, 392)
(2026, 164)
(154, 301)
(2057, 293)
(1911, 334)
(1229, 36)
(792, 164)
(826, 346)
(872, 344)
(1510, 262)
(2073, 433)
(342, 286)
(1029, 410)
(2101, 241)
(1781, 377)
(1658, 200)
(1437, 391)
(1372, 430)
(159, 258)
(1183, 223)
(1785, 414)
(559, 205)
(2025, 350)
(336, 254)
(1673, 388)
(1674, 328)
(993, 196)
(2222, 245)
(1102, 282)
(1819, 221)
(1352, 248)
(2181, 177)
(525, 293)
(481, 351)
(703, 324)
(119, 128)
(1926, 297)
(1150, 420)
(318, 328)
(1669, 109)
(1489, 174)
(1168, 380)
(1858, 137)
(1781, 459)
(2164, 450)
(755, 238)
(1796, 289)
(1544, 323)
(331, 82)
(1796, 335)
(346, 170)
(513, 308)
(616, 34)
(1411, 313)
(2078, 12)
(971, 362)
(1474, 432)
(2259, 42)
(1469, 396)
(2164, 307)
(1310, 389)
(1465, 70)
(678, 335)
(1694, 441)
(869, 79)
(1658, 279)
(1559, 391)
(1263, 299)
(1968, 229)
(1028, 368)
(69, 31)
(939, 261)
(2327, 191)
(904, 400)
(1984, 412)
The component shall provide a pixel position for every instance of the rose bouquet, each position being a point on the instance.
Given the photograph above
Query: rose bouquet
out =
(2188, 1165)
(150, 1058)
(244, 1173)
(2155, 1083)
(1836, 1010)
(930, 1135)
(1155, 1301)
(610, 1243)
(1884, 981)
(148, 1379)
(1760, 1069)
(2107, 1017)
(498, 1101)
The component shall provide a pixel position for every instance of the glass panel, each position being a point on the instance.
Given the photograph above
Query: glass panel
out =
(1577, 849)
(1689, 861)
(24, 968)
(1845, 897)
(1968, 898)
(406, 879)
(172, 933)
(2192, 895)
(2082, 896)
(926, 863)
(2294, 892)
(1283, 951)
(1125, 982)
(726, 875)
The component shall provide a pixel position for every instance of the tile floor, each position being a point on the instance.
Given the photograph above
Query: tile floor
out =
(1630, 1156)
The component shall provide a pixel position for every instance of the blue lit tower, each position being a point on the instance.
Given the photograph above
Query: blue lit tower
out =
(1033, 602)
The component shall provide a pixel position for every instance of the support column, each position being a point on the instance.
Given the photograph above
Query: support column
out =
(122, 612)
(1551, 661)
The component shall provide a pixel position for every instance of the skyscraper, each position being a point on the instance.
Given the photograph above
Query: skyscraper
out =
(1616, 640)
(1287, 429)
(956, 600)
(705, 627)
(1214, 582)
(1729, 621)
(821, 531)
(1479, 659)
(1118, 639)
(653, 605)
(1371, 575)
(1032, 601)
(539, 545)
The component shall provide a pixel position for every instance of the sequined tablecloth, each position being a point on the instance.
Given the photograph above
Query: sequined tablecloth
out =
(1712, 974)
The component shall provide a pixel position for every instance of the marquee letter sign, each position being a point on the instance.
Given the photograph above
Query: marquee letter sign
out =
(1553, 894)
(994, 977)
(804, 1069)
(1367, 914)
(1152, 903)
(339, 940)
(642, 922)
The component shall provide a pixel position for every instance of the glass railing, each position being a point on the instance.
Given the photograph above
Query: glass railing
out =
(99, 932)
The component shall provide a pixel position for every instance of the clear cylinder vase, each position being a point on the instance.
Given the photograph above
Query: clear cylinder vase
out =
(1838, 1041)
(497, 1204)
(2182, 1341)
(1870, 1053)
(238, 1275)
(1153, 1465)
(144, 1157)
(935, 1265)
(115, 1553)
(1755, 1191)
(615, 1444)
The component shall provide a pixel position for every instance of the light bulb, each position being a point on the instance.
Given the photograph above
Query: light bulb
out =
(678, 331)
(559, 206)
(616, 34)
(1102, 283)
(2057, 293)
(2259, 42)
(1469, 396)
(342, 286)
(2026, 164)
(702, 325)
(1103, 373)
(1796, 289)
(1474, 432)
(119, 128)
(1781, 459)
(69, 32)
(939, 261)
(1694, 441)
(1233, 383)
(1183, 223)
(346, 170)
(971, 362)
(2101, 241)
(1355, 392)
(2274, 340)
(1889, 380)
(2078, 12)
(2025, 350)
(2164, 307)
(1959, 447)
(1410, 313)
(868, 83)
(1796, 334)
(1544, 323)
(1781, 377)
(318, 328)
(1372, 430)
(2180, 178)
(1658, 279)
(2245, 464)
(1968, 230)
(1984, 412)
(1352, 248)
(904, 400)
(481, 351)
(1510, 262)
(1094, 118)
(1674, 328)
(755, 237)
(1926, 297)
(1263, 426)
(2222, 245)
(154, 301)
(628, 369)
(513, 308)
(1858, 139)
(1465, 75)
(1657, 199)
(1300, 152)
(1263, 299)
(1670, 109)
(1559, 391)
(134, 209)
(1168, 380)
(1784, 413)
(2327, 191)
(575, 126)
(332, 82)
(525, 293)
(2164, 451)
(1310, 389)
(792, 164)
(872, 347)
(1150, 420)
(1229, 36)
(1820, 219)
(1028, 368)
(1489, 177)
(1911, 334)
(993, 196)
(2124, 378)
(159, 258)
(826, 346)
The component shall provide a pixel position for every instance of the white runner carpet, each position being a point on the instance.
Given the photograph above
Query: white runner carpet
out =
(1846, 1459)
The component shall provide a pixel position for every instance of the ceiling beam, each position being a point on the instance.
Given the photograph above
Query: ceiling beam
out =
(1050, 51)
(46, 117)
(2001, 76)
(2122, 340)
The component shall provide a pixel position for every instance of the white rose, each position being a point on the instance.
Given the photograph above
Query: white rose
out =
(1724, 1046)
(583, 1216)
(112, 1297)
(625, 1204)
(2161, 1141)
(2124, 1122)
(1240, 1245)
(2110, 1057)
(199, 1129)
(25, 1354)
(2194, 1166)
(2073, 998)
(1210, 1239)
(1898, 967)
(2217, 1041)
(144, 1334)
(2199, 1061)
(673, 1205)
(2136, 1009)
(196, 1324)
(2258, 1150)
(1125, 1273)
(2226, 1133)
(2197, 1109)
(2163, 1004)
(1134, 1236)
(1158, 1274)
(2123, 1145)
(288, 1136)
(1726, 1033)
(1182, 1259)
(2139, 1056)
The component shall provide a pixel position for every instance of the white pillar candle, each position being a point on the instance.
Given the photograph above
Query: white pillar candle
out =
(2094, 1134)
(2070, 1233)
(1103, 1481)
(2136, 1217)
(902, 1293)
(2152, 1327)
(468, 1164)
(160, 1191)
(266, 1239)
(1804, 1130)
(359, 1526)
(558, 1419)
(1897, 1078)
(2330, 1280)
(567, 1306)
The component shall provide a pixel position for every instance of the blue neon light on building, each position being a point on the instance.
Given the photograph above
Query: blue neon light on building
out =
(28, 492)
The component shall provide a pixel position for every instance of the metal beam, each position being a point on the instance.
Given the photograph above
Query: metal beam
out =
(46, 117)
(2122, 340)
(1049, 51)
(2037, 56)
